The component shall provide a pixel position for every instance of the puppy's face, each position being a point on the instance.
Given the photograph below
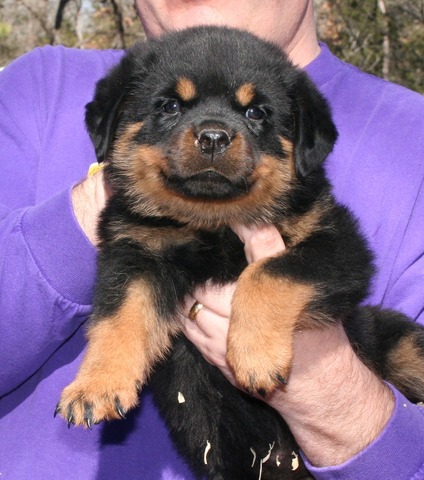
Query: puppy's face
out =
(204, 126)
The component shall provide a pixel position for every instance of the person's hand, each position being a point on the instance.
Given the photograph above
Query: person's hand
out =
(88, 199)
(334, 405)
(209, 332)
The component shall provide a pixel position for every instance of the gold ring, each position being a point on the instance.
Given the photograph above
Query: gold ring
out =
(194, 310)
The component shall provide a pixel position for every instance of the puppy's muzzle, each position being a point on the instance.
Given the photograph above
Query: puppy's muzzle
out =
(213, 141)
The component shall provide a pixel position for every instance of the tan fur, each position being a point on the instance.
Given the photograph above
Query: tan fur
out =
(265, 313)
(186, 89)
(121, 351)
(127, 136)
(406, 366)
(245, 94)
(156, 239)
(145, 165)
(299, 228)
(288, 149)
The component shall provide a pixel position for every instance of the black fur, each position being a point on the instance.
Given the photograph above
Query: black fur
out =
(160, 236)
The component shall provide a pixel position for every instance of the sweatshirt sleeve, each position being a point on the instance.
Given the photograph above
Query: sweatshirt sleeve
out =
(47, 264)
(47, 271)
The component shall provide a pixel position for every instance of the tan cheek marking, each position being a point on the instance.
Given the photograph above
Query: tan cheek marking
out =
(245, 94)
(288, 148)
(186, 89)
(128, 134)
(143, 165)
(273, 179)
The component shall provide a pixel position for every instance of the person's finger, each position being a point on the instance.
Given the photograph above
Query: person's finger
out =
(215, 311)
(260, 242)
(208, 330)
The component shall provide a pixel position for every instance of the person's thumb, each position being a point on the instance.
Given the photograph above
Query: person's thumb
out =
(260, 242)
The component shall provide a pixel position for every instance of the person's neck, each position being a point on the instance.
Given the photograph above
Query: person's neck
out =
(302, 53)
(303, 47)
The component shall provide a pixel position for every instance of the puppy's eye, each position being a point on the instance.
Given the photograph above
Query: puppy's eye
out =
(172, 107)
(255, 113)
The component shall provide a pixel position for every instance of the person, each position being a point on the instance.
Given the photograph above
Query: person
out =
(349, 424)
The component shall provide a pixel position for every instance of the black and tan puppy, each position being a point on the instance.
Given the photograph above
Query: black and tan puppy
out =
(200, 130)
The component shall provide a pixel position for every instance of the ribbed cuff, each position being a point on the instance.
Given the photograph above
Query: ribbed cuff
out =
(65, 256)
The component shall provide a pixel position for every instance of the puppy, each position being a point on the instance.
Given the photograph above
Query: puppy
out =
(200, 130)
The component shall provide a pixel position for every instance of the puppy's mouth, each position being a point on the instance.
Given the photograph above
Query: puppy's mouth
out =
(208, 185)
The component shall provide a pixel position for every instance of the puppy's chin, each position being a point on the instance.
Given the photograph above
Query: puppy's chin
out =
(207, 185)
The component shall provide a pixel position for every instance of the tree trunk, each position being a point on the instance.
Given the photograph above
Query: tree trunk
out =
(386, 40)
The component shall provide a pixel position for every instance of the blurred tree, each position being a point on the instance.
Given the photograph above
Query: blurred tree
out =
(383, 37)
(25, 24)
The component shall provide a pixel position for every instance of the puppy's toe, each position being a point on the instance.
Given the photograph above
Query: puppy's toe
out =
(88, 403)
(259, 374)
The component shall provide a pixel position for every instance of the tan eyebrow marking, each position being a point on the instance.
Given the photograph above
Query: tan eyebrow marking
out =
(245, 94)
(186, 89)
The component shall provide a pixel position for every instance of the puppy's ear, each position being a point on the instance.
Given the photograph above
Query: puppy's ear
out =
(102, 114)
(315, 132)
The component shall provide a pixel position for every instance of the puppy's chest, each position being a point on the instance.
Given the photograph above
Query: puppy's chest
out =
(200, 254)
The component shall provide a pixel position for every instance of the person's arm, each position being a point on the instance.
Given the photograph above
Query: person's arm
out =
(47, 276)
(348, 423)
(47, 261)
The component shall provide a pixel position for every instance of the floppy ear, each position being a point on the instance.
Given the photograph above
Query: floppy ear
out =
(102, 114)
(315, 132)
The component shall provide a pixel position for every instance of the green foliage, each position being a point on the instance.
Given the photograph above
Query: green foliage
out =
(5, 29)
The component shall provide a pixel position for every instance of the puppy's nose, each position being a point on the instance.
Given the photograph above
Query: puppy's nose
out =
(213, 142)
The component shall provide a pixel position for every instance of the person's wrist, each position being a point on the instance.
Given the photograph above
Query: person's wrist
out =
(334, 405)
(88, 199)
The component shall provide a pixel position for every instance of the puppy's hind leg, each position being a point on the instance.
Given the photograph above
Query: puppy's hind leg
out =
(392, 345)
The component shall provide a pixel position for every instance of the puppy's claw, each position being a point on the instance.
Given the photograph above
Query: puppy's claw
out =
(56, 410)
(70, 420)
(70, 416)
(262, 392)
(88, 415)
(119, 409)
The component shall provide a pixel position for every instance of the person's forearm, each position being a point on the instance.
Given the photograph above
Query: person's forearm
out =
(46, 283)
(334, 405)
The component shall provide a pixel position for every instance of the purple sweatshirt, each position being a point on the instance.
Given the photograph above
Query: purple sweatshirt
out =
(47, 265)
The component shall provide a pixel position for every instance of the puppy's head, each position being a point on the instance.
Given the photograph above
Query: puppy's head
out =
(209, 126)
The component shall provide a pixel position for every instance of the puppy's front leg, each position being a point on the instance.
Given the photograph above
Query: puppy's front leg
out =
(122, 348)
(266, 310)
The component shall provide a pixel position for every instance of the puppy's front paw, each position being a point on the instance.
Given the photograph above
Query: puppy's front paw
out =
(122, 349)
(260, 361)
(89, 400)
(266, 309)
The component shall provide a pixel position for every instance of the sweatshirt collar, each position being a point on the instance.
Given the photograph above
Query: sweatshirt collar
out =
(324, 67)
